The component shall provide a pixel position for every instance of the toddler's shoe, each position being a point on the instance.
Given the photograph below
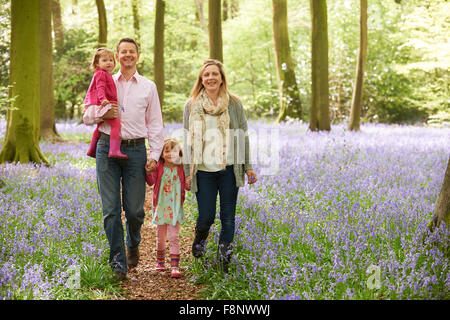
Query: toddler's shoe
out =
(160, 267)
(175, 272)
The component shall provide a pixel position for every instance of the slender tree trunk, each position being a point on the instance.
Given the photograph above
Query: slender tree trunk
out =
(215, 30)
(442, 209)
(137, 30)
(159, 49)
(57, 26)
(102, 24)
(22, 130)
(136, 21)
(357, 97)
(290, 105)
(225, 7)
(233, 7)
(47, 100)
(319, 111)
(200, 16)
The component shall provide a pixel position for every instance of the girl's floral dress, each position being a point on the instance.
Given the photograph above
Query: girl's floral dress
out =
(169, 209)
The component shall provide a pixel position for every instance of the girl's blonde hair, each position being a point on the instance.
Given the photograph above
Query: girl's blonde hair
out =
(98, 53)
(198, 86)
(172, 143)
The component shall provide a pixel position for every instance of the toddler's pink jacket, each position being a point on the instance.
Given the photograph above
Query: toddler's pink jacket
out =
(102, 87)
(154, 178)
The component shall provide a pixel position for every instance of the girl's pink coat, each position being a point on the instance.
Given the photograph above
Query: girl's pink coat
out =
(102, 87)
(154, 178)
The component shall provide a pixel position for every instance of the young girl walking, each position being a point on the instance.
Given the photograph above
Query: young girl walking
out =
(101, 93)
(168, 197)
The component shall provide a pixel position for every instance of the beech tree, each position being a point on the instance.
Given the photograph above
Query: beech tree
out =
(158, 54)
(21, 142)
(47, 99)
(357, 97)
(215, 29)
(319, 111)
(290, 105)
(442, 209)
(102, 23)
(199, 14)
(57, 25)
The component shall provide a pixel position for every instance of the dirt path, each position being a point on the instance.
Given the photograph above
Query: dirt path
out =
(144, 283)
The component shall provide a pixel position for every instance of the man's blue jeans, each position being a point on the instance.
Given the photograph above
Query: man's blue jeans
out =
(209, 184)
(110, 173)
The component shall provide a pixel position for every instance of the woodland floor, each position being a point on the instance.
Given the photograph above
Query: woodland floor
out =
(143, 282)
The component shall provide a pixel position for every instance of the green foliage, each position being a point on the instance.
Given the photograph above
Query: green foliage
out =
(406, 80)
(390, 100)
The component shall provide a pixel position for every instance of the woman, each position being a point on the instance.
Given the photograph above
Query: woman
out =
(218, 155)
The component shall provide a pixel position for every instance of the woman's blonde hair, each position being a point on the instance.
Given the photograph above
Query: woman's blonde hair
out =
(98, 53)
(198, 86)
(172, 143)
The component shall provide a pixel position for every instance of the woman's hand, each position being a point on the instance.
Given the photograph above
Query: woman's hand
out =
(251, 176)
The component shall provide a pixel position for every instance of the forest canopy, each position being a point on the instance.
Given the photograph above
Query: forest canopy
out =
(406, 77)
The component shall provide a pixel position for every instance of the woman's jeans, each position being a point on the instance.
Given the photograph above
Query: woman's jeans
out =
(110, 172)
(209, 184)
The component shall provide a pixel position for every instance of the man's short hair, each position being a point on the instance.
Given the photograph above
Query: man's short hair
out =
(127, 40)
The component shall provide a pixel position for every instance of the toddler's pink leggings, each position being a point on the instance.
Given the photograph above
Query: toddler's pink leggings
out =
(174, 241)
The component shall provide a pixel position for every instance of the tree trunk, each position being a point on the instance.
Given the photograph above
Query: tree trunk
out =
(225, 10)
(136, 21)
(57, 26)
(158, 59)
(102, 24)
(290, 105)
(47, 100)
(137, 30)
(320, 111)
(215, 30)
(200, 16)
(442, 209)
(233, 7)
(21, 142)
(357, 97)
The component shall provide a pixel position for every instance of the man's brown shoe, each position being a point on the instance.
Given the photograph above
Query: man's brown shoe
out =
(133, 257)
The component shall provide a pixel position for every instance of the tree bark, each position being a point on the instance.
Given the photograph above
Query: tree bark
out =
(200, 16)
(442, 209)
(357, 97)
(225, 7)
(137, 30)
(215, 30)
(22, 129)
(136, 21)
(319, 111)
(233, 7)
(102, 24)
(290, 105)
(158, 58)
(47, 100)
(57, 26)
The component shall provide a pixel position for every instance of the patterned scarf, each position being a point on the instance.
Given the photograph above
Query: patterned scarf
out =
(197, 127)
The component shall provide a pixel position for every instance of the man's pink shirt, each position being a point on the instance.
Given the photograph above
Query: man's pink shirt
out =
(139, 112)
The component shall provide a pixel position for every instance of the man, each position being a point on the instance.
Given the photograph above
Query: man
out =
(140, 116)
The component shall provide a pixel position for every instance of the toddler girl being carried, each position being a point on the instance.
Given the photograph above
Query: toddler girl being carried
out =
(101, 93)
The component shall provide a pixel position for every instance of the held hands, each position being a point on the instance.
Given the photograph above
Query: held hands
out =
(188, 182)
(251, 176)
(150, 166)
